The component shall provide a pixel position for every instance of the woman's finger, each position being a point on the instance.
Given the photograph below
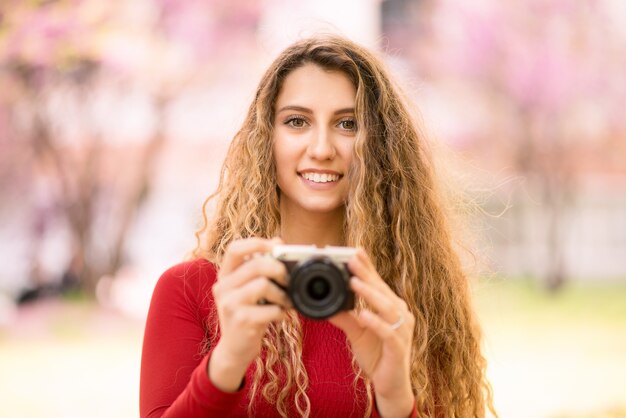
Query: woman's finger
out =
(255, 316)
(251, 269)
(241, 250)
(388, 307)
(362, 267)
(262, 289)
(378, 326)
(348, 322)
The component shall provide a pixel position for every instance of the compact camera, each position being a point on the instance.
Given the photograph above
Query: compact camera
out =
(318, 278)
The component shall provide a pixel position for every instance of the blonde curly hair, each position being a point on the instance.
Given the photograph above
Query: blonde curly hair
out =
(393, 192)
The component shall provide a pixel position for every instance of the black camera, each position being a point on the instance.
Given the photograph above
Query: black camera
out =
(318, 278)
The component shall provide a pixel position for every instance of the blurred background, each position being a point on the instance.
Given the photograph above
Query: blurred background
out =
(115, 117)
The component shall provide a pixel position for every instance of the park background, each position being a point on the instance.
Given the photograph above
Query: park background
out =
(115, 117)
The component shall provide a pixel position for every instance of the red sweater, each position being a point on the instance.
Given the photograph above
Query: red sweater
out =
(174, 380)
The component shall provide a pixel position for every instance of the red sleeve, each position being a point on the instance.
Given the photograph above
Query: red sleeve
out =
(174, 380)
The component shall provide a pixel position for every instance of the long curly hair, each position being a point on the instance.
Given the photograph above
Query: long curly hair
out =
(394, 193)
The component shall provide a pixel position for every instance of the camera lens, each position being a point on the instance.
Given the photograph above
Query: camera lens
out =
(318, 287)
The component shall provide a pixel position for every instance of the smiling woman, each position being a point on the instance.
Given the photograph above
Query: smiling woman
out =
(328, 156)
(314, 134)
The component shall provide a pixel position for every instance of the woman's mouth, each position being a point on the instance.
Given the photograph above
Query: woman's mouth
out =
(320, 177)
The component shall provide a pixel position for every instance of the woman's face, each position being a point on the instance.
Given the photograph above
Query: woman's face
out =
(314, 134)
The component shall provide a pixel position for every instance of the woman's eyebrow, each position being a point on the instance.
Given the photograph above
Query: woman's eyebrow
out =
(297, 108)
(344, 110)
(307, 110)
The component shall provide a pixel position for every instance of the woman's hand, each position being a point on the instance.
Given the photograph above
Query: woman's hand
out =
(244, 281)
(381, 338)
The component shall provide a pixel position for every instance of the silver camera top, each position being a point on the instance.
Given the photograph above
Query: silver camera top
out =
(303, 252)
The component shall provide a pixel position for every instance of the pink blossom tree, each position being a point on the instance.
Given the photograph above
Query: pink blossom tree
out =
(65, 63)
(541, 69)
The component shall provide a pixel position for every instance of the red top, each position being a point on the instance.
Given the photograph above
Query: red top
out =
(174, 379)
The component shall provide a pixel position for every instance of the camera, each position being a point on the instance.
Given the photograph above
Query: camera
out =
(318, 278)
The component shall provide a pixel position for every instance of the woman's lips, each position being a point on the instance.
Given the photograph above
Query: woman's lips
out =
(320, 180)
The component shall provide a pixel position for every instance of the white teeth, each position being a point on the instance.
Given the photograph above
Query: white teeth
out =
(320, 178)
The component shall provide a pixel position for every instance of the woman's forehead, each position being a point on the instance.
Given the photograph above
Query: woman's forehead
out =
(311, 85)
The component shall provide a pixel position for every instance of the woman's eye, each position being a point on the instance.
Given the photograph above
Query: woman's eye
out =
(296, 122)
(348, 125)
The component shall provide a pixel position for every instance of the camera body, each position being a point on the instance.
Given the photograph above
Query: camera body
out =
(318, 278)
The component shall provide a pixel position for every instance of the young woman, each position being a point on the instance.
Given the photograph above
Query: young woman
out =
(328, 155)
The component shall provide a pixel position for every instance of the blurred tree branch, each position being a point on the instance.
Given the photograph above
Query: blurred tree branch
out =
(539, 70)
(56, 57)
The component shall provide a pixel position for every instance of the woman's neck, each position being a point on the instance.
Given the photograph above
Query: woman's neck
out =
(321, 229)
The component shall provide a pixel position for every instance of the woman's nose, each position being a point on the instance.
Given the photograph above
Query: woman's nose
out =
(321, 146)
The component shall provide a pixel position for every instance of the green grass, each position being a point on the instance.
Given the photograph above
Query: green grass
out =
(601, 304)
(555, 355)
(70, 359)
